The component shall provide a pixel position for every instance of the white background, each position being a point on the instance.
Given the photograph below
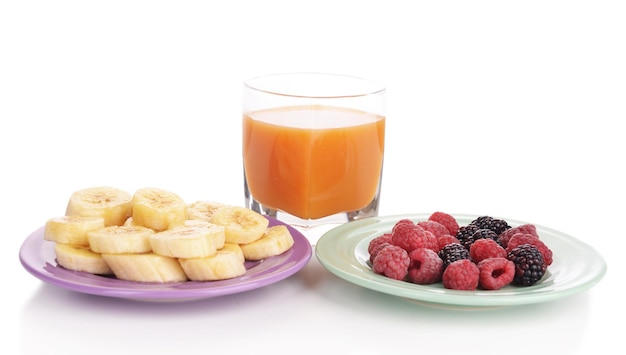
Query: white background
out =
(511, 109)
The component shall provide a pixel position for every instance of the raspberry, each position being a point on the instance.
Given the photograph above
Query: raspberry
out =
(402, 221)
(375, 244)
(461, 275)
(504, 237)
(392, 261)
(446, 220)
(494, 224)
(375, 251)
(521, 238)
(495, 273)
(447, 239)
(425, 268)
(453, 252)
(529, 264)
(411, 236)
(486, 248)
(436, 228)
(485, 254)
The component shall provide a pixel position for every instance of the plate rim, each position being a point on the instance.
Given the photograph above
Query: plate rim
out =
(353, 270)
(32, 260)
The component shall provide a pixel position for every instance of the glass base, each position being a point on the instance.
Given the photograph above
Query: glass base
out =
(313, 229)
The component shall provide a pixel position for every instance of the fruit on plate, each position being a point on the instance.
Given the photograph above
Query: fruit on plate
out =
(71, 229)
(242, 225)
(148, 267)
(156, 237)
(120, 240)
(158, 209)
(110, 203)
(487, 253)
(80, 258)
(226, 263)
(275, 240)
(188, 242)
(203, 210)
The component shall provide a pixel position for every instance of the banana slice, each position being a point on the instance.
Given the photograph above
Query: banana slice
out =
(198, 223)
(71, 229)
(275, 241)
(158, 209)
(188, 242)
(79, 258)
(112, 204)
(147, 267)
(120, 240)
(129, 222)
(203, 210)
(242, 225)
(227, 263)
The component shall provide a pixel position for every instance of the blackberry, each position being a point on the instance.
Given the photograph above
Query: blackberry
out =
(480, 234)
(529, 264)
(464, 235)
(453, 252)
(485, 233)
(520, 238)
(494, 224)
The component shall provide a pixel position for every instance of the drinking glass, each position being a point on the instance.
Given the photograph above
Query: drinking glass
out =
(313, 147)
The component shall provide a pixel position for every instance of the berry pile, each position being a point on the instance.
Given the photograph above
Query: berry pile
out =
(485, 254)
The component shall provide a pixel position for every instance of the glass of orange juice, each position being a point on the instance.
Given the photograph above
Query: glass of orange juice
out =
(313, 147)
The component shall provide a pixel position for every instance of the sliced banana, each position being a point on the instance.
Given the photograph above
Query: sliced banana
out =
(79, 258)
(154, 236)
(112, 204)
(147, 267)
(242, 225)
(71, 229)
(129, 222)
(198, 223)
(227, 263)
(187, 223)
(120, 240)
(158, 209)
(275, 241)
(203, 210)
(188, 242)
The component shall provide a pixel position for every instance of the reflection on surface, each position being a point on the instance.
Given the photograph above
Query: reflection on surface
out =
(313, 304)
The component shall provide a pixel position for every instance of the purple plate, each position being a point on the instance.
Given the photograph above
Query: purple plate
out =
(38, 257)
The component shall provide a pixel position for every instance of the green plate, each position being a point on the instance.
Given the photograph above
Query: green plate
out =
(576, 266)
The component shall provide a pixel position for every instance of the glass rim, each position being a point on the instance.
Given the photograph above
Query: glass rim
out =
(344, 86)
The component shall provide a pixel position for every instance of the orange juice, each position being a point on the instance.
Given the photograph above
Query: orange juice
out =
(313, 161)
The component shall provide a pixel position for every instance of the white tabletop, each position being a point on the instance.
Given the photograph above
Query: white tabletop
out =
(510, 110)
